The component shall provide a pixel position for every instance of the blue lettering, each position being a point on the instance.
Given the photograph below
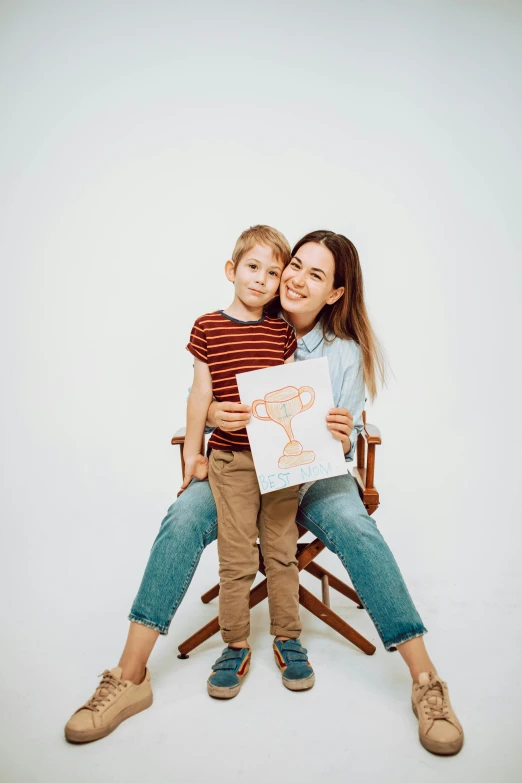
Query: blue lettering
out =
(270, 480)
(283, 478)
(315, 470)
(262, 482)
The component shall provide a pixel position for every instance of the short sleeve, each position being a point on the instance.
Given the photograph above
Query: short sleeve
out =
(290, 342)
(197, 344)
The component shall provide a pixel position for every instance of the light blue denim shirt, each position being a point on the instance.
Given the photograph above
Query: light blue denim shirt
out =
(346, 373)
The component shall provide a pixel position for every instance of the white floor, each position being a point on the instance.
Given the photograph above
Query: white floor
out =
(140, 139)
(355, 724)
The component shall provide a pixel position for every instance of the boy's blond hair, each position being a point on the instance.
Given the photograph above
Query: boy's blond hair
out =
(262, 235)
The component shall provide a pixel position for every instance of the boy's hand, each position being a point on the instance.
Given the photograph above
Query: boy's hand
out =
(231, 416)
(340, 423)
(195, 467)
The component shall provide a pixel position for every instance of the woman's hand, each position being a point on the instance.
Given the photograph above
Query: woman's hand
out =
(195, 467)
(340, 423)
(230, 416)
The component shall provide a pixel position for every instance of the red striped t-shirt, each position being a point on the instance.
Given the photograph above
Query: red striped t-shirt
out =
(228, 347)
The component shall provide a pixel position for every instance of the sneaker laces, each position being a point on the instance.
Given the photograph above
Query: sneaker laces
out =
(434, 699)
(109, 684)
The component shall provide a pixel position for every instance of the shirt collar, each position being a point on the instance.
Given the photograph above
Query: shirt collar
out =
(312, 338)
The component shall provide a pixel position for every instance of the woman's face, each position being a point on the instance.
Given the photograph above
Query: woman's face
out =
(307, 283)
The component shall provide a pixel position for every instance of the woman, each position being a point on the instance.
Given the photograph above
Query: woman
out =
(322, 296)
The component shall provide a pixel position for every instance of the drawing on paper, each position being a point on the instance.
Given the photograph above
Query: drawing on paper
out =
(281, 406)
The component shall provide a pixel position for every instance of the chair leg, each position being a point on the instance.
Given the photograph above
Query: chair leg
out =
(258, 594)
(305, 556)
(325, 592)
(315, 606)
(210, 594)
(308, 553)
(318, 571)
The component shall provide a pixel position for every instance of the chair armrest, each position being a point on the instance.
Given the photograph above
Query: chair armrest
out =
(371, 434)
(178, 439)
(364, 470)
(362, 474)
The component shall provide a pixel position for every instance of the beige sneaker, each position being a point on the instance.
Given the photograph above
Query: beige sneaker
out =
(439, 729)
(113, 701)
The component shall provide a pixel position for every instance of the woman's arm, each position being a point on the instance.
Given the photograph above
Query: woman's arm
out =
(200, 397)
(228, 416)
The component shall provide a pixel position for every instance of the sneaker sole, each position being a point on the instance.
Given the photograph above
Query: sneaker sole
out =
(438, 748)
(299, 685)
(76, 737)
(295, 685)
(220, 692)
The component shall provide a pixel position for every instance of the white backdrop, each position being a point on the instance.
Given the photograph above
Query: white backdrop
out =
(137, 141)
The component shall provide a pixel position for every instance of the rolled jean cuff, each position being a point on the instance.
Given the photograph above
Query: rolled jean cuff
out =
(405, 637)
(291, 633)
(236, 636)
(161, 629)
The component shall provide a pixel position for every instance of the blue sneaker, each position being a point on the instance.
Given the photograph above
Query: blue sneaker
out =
(292, 659)
(227, 673)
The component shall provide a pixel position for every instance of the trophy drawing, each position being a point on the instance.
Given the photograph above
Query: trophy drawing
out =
(281, 406)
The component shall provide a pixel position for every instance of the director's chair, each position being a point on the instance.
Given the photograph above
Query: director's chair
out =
(363, 474)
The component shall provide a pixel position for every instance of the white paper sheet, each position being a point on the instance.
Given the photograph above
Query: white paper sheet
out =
(288, 436)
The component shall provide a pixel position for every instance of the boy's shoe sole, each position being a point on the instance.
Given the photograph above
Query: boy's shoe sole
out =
(220, 692)
(90, 735)
(299, 685)
(439, 749)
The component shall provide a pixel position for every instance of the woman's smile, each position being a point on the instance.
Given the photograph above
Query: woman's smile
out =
(291, 294)
(307, 283)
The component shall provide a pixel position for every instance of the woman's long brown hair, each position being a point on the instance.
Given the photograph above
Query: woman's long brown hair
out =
(348, 318)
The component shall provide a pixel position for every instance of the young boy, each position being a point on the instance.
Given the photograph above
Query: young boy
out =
(224, 343)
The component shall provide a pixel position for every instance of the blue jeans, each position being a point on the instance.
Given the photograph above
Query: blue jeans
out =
(331, 509)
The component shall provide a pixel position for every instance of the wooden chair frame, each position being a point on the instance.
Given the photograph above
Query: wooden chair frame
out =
(363, 474)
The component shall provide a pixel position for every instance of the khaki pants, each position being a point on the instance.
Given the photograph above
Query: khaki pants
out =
(243, 513)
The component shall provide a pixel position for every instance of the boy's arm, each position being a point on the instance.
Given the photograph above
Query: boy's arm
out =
(200, 397)
(290, 359)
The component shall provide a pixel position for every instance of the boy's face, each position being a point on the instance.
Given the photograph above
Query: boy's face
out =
(256, 277)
